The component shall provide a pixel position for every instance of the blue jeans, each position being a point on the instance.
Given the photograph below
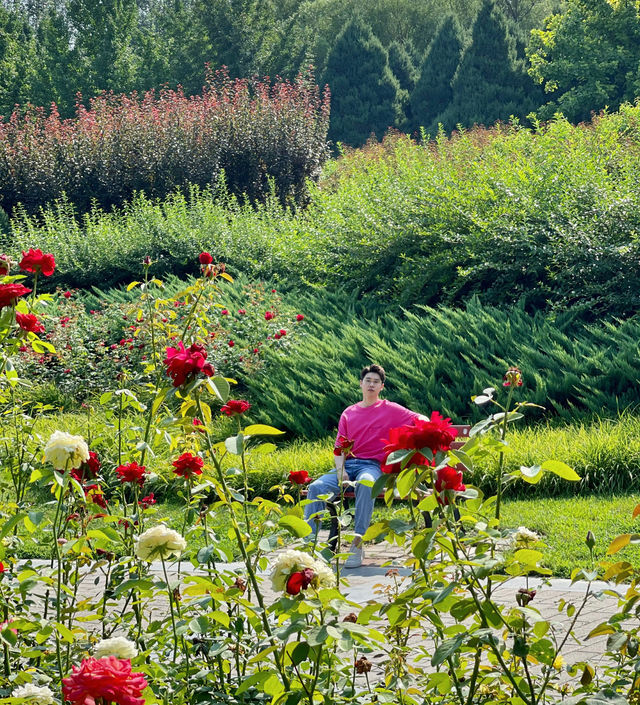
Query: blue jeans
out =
(356, 469)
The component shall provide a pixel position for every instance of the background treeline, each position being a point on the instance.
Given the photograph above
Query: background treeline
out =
(389, 63)
(549, 218)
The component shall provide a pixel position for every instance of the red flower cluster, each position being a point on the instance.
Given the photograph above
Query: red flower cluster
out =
(188, 465)
(94, 493)
(90, 468)
(183, 364)
(235, 406)
(9, 293)
(36, 261)
(300, 580)
(105, 680)
(299, 477)
(29, 323)
(269, 315)
(448, 479)
(131, 472)
(147, 501)
(436, 434)
(299, 317)
(343, 446)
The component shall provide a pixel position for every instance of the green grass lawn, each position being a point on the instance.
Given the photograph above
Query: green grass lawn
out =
(562, 522)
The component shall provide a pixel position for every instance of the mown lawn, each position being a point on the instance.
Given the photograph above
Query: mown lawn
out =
(562, 523)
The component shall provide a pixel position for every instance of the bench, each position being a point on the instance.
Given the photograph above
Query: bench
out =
(349, 494)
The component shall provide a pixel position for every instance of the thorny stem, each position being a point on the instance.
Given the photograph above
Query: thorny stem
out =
(245, 557)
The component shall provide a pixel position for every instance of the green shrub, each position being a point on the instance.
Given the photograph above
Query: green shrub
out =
(252, 132)
(438, 358)
(549, 217)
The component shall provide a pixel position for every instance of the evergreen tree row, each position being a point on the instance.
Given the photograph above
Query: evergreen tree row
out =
(460, 81)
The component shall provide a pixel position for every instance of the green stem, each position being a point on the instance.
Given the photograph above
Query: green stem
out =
(173, 619)
(503, 434)
(241, 545)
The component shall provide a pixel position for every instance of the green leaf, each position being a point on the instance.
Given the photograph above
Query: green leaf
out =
(561, 470)
(235, 444)
(297, 526)
(254, 680)
(65, 633)
(528, 556)
(219, 387)
(260, 429)
(532, 475)
(405, 482)
(398, 456)
(447, 648)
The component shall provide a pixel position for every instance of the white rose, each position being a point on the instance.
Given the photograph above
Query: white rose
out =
(159, 542)
(117, 646)
(33, 694)
(292, 561)
(66, 452)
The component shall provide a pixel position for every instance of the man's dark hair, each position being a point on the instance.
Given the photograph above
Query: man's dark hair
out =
(376, 369)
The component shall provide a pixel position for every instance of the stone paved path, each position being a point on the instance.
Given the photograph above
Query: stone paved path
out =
(362, 584)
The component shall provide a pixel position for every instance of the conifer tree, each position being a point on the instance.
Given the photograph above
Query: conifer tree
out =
(403, 69)
(490, 84)
(364, 92)
(432, 93)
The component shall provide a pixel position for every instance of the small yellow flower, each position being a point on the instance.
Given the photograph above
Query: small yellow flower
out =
(558, 662)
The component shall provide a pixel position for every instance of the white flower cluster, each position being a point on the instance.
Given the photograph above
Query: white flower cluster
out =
(159, 542)
(117, 646)
(34, 694)
(292, 561)
(66, 452)
(524, 537)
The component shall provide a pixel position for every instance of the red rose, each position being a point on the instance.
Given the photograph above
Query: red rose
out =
(241, 311)
(343, 446)
(2, 568)
(107, 680)
(224, 312)
(147, 501)
(93, 493)
(231, 343)
(235, 406)
(299, 477)
(269, 315)
(67, 294)
(29, 323)
(184, 364)
(36, 261)
(9, 293)
(188, 465)
(90, 468)
(205, 258)
(300, 580)
(277, 336)
(299, 317)
(131, 472)
(448, 479)
(283, 331)
(437, 434)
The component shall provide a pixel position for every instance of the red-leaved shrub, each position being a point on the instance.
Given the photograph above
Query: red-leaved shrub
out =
(252, 130)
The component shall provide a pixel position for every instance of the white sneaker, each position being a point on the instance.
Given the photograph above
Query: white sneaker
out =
(355, 559)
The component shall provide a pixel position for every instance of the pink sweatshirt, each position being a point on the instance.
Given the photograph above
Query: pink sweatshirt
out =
(368, 427)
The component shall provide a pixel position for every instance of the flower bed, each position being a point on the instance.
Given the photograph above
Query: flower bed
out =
(223, 641)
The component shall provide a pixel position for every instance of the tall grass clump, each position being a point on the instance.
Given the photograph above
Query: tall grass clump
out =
(252, 131)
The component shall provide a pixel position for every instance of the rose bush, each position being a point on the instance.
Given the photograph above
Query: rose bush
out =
(213, 634)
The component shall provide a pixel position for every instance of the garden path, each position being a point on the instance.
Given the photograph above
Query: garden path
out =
(370, 580)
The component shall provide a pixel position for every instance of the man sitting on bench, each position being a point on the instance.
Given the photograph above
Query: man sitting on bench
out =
(365, 425)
